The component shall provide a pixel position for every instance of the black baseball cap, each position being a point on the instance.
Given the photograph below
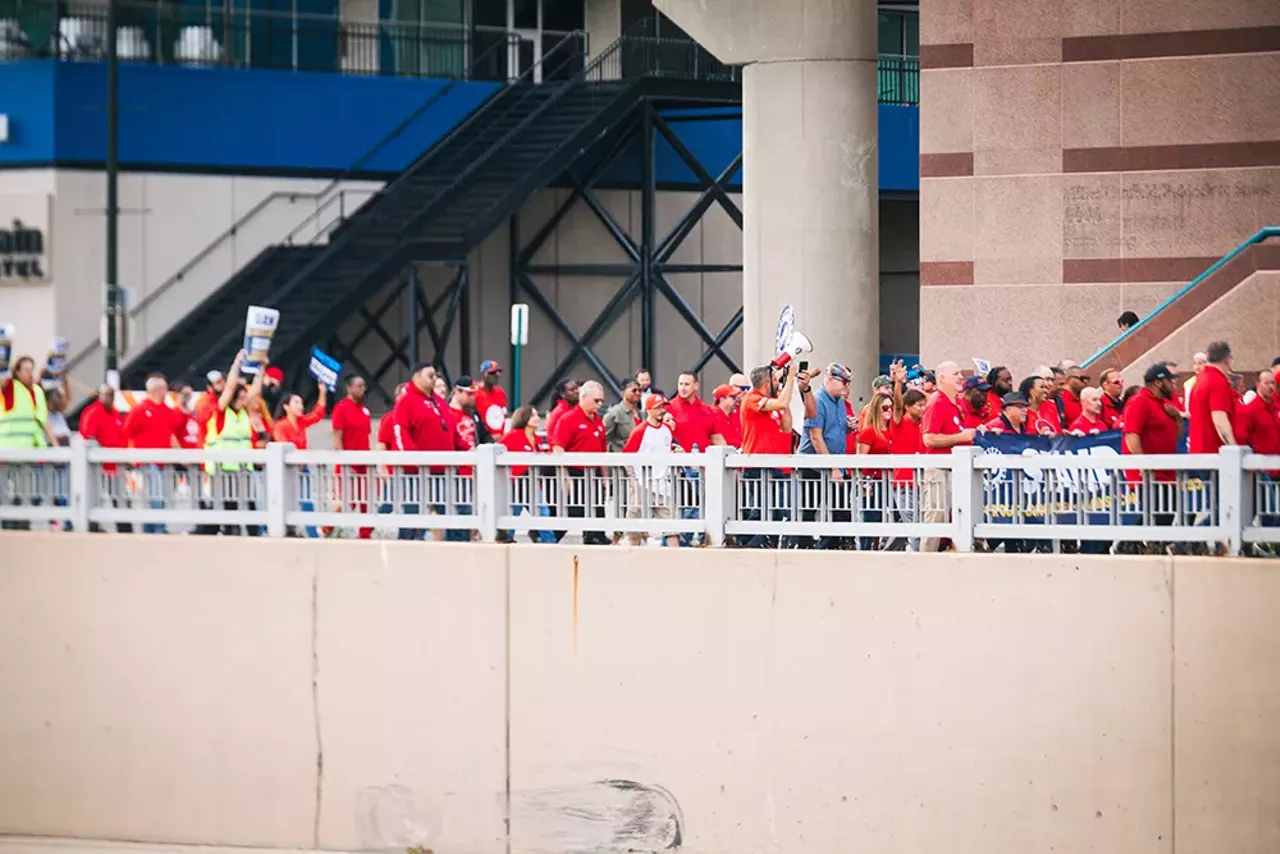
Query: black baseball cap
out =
(1158, 371)
(1014, 399)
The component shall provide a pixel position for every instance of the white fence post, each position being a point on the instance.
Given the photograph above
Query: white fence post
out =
(716, 499)
(79, 492)
(486, 492)
(278, 498)
(966, 495)
(1232, 501)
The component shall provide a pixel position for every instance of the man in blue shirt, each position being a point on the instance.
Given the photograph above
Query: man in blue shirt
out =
(827, 432)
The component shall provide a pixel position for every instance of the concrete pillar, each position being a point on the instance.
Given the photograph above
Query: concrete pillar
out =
(811, 191)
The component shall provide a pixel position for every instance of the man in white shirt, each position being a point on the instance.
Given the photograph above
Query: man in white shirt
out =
(651, 486)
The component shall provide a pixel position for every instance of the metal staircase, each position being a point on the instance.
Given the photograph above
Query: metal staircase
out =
(440, 208)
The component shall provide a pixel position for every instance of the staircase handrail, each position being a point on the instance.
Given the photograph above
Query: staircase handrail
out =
(1262, 234)
(293, 197)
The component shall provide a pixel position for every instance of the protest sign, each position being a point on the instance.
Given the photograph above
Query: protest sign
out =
(325, 369)
(259, 326)
(7, 333)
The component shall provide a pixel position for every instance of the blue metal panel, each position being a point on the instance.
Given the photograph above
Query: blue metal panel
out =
(264, 121)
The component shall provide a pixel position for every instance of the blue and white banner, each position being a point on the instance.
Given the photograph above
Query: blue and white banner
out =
(325, 368)
(259, 326)
(1012, 443)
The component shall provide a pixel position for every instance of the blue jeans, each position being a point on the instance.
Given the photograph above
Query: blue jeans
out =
(456, 535)
(409, 533)
(153, 484)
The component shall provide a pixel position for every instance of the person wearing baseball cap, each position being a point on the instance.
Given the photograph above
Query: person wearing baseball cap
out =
(973, 402)
(491, 400)
(740, 382)
(1013, 415)
(728, 424)
(651, 486)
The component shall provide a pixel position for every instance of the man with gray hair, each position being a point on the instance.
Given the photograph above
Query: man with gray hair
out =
(943, 429)
(1089, 422)
(580, 430)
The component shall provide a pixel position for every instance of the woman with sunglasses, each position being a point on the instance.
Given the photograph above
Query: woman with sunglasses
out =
(874, 439)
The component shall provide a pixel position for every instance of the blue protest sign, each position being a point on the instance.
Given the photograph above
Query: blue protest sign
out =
(325, 368)
(786, 326)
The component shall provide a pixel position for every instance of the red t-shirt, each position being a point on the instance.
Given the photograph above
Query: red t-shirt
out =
(578, 434)
(762, 432)
(973, 418)
(1258, 425)
(1111, 414)
(491, 408)
(1144, 416)
(1211, 393)
(386, 431)
(1083, 424)
(153, 425)
(1072, 408)
(876, 444)
(103, 425)
(296, 434)
(906, 438)
(729, 426)
(422, 423)
(352, 421)
(464, 434)
(695, 423)
(994, 404)
(518, 441)
(1046, 419)
(556, 413)
(942, 416)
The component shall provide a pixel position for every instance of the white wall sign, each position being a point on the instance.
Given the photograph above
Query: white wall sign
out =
(24, 239)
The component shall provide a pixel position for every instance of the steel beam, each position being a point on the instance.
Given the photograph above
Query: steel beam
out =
(725, 334)
(648, 204)
(557, 319)
(605, 319)
(692, 162)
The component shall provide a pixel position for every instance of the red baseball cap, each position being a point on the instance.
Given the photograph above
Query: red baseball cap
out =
(654, 401)
(725, 390)
(274, 373)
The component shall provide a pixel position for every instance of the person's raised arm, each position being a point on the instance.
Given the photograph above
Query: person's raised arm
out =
(255, 388)
(782, 403)
(316, 415)
(233, 379)
(898, 372)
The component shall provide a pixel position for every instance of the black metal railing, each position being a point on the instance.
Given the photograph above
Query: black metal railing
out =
(898, 79)
(164, 31)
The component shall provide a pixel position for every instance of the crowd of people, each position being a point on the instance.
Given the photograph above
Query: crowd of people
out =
(909, 411)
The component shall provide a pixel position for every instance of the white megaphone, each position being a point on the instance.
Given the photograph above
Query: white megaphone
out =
(798, 344)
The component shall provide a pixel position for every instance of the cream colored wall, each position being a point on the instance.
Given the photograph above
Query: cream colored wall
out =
(166, 220)
(360, 696)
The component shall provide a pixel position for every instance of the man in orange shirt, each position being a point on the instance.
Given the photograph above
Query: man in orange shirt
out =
(766, 429)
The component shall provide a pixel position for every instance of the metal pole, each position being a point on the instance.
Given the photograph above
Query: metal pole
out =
(513, 296)
(464, 319)
(113, 202)
(648, 201)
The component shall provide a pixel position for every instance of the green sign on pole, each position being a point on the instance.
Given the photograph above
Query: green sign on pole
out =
(519, 338)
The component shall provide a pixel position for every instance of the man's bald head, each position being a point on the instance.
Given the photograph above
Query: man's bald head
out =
(949, 378)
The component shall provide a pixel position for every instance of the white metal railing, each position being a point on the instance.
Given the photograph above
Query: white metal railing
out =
(1024, 502)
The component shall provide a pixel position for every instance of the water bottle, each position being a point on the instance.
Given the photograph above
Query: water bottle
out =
(690, 471)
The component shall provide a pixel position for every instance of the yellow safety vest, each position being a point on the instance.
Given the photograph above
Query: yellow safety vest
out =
(22, 425)
(236, 435)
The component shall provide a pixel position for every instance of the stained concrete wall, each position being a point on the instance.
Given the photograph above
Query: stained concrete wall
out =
(358, 696)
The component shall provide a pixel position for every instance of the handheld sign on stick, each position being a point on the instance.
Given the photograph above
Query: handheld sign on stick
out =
(7, 333)
(325, 369)
(259, 326)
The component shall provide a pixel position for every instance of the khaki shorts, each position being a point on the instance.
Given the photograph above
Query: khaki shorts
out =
(659, 508)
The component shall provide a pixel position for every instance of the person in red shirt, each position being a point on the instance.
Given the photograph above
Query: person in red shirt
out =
(386, 439)
(1072, 406)
(973, 402)
(292, 427)
(1000, 379)
(491, 399)
(153, 424)
(1013, 416)
(207, 407)
(1258, 421)
(522, 438)
(1042, 413)
(1089, 422)
(725, 411)
(563, 399)
(462, 418)
(1112, 383)
(943, 427)
(905, 438)
(695, 421)
(651, 488)
(352, 422)
(1213, 403)
(1150, 427)
(765, 415)
(580, 430)
(421, 423)
(101, 422)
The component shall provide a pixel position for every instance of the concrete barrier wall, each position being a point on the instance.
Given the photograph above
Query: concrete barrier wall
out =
(356, 696)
